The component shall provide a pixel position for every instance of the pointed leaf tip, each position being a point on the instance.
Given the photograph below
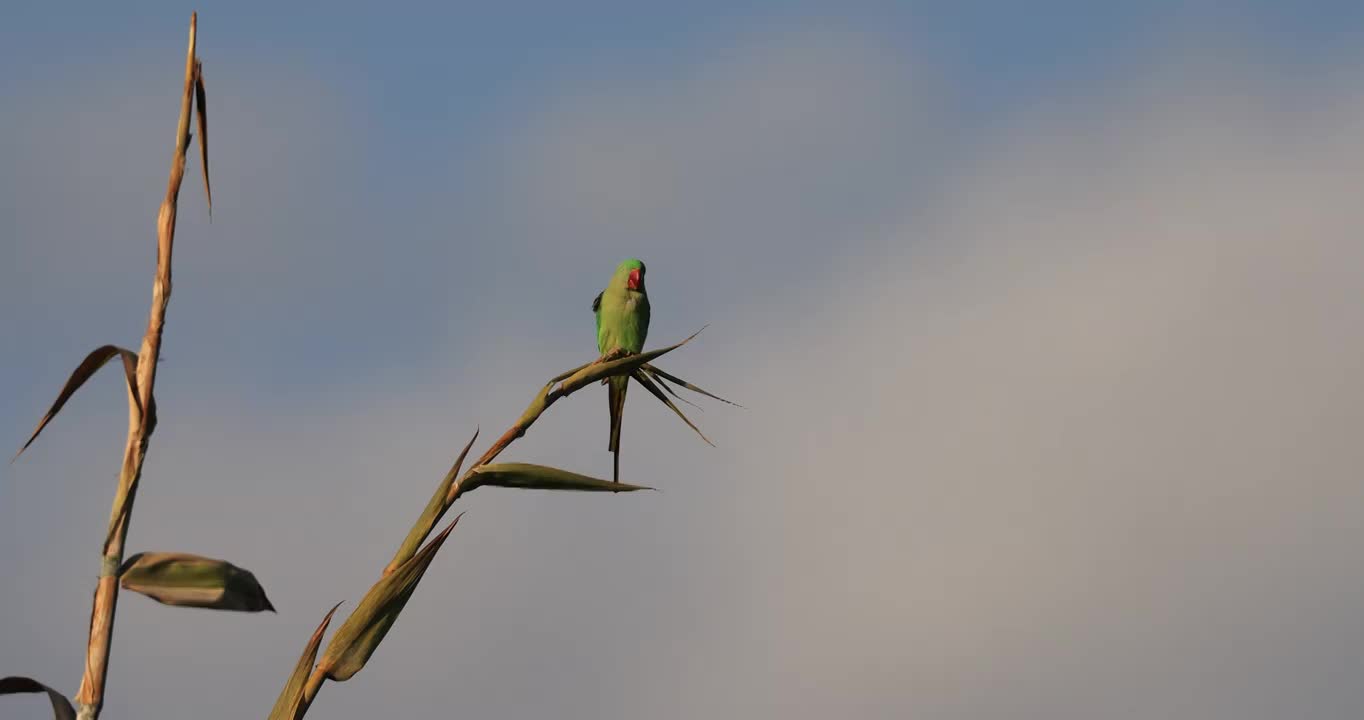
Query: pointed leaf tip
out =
(83, 372)
(359, 636)
(286, 707)
(683, 383)
(647, 369)
(435, 509)
(526, 476)
(643, 379)
(193, 581)
(201, 115)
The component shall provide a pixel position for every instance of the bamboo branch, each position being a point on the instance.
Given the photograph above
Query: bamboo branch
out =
(294, 703)
(558, 387)
(141, 415)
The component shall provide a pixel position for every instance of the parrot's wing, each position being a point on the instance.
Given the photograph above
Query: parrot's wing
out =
(643, 310)
(596, 311)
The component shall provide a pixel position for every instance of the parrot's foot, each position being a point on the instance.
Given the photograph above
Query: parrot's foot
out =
(616, 354)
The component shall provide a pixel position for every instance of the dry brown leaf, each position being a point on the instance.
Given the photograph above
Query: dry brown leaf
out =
(648, 370)
(201, 114)
(88, 367)
(649, 385)
(687, 385)
(61, 707)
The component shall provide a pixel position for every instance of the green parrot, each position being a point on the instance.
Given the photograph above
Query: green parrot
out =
(622, 311)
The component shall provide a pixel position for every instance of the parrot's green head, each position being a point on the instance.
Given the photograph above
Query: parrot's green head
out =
(631, 272)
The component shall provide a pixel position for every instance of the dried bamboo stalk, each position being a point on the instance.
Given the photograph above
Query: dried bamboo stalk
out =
(141, 415)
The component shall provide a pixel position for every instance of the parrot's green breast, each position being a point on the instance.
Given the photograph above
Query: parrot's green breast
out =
(621, 325)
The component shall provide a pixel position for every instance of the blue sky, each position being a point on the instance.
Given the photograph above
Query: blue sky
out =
(1044, 315)
(422, 93)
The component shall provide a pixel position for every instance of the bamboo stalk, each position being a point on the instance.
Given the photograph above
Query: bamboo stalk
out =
(141, 416)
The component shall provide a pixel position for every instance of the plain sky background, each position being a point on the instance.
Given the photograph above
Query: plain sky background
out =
(1047, 317)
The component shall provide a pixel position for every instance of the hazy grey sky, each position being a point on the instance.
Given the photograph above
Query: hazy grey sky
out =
(1054, 389)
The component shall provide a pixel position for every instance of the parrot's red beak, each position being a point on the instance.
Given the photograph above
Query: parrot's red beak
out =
(633, 281)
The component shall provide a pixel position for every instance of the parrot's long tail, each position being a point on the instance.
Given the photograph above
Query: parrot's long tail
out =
(615, 397)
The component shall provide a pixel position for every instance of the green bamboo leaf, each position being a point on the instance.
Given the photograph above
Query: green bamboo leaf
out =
(539, 477)
(193, 581)
(643, 379)
(358, 637)
(88, 367)
(61, 707)
(537, 405)
(568, 373)
(286, 707)
(435, 508)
